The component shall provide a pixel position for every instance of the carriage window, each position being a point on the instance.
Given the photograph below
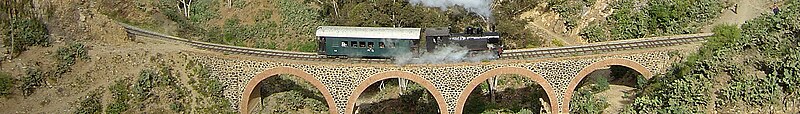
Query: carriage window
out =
(370, 44)
(362, 44)
(353, 44)
(381, 45)
(344, 43)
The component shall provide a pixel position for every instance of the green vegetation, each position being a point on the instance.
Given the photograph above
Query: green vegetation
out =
(120, 95)
(150, 88)
(569, 10)
(584, 100)
(290, 94)
(756, 66)
(631, 19)
(6, 84)
(32, 80)
(66, 56)
(21, 28)
(26, 32)
(415, 99)
(149, 80)
(90, 104)
(292, 101)
(23, 33)
(520, 95)
(512, 29)
(210, 90)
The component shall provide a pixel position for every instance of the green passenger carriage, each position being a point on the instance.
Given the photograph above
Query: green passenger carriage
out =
(366, 42)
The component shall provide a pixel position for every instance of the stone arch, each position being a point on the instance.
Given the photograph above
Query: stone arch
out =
(351, 101)
(247, 95)
(539, 79)
(594, 66)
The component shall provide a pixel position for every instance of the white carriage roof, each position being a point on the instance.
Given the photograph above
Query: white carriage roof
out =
(368, 32)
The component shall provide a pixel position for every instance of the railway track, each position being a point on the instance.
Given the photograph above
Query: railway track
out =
(621, 45)
(135, 31)
(507, 54)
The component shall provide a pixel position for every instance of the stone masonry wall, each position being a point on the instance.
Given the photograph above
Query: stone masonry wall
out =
(450, 79)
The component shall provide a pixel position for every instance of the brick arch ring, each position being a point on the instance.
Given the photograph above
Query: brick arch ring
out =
(462, 98)
(351, 101)
(594, 66)
(247, 95)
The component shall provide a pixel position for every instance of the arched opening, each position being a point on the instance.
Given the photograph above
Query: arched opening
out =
(286, 90)
(604, 87)
(419, 96)
(507, 90)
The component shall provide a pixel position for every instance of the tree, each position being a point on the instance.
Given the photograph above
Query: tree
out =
(185, 7)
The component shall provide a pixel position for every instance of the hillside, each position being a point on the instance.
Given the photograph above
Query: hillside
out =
(71, 56)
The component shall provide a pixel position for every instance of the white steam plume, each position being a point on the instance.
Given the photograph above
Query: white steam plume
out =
(480, 7)
(448, 54)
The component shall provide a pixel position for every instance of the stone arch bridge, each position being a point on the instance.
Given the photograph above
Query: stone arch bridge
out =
(450, 84)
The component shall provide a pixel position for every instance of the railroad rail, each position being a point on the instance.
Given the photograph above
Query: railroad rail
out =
(641, 43)
(246, 50)
(507, 54)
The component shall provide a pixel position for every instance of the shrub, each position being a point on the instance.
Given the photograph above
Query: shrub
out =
(90, 104)
(601, 84)
(66, 57)
(25, 32)
(569, 10)
(203, 10)
(584, 102)
(558, 43)
(210, 90)
(594, 33)
(146, 81)
(120, 94)
(6, 83)
(208, 86)
(33, 79)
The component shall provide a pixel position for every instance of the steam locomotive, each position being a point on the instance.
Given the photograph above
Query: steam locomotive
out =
(385, 42)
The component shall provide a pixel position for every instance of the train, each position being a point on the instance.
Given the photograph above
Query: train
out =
(388, 42)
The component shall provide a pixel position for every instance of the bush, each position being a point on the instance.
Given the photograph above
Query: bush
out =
(25, 32)
(633, 19)
(147, 80)
(66, 57)
(210, 90)
(600, 84)
(773, 38)
(208, 86)
(584, 102)
(569, 10)
(203, 10)
(594, 33)
(6, 83)
(120, 95)
(90, 104)
(32, 80)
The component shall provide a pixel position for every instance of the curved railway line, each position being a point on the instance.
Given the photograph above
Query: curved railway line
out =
(507, 54)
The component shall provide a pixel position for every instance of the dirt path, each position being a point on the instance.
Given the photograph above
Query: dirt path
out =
(616, 98)
(748, 9)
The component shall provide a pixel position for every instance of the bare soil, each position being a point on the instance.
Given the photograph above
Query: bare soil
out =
(748, 9)
(548, 24)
